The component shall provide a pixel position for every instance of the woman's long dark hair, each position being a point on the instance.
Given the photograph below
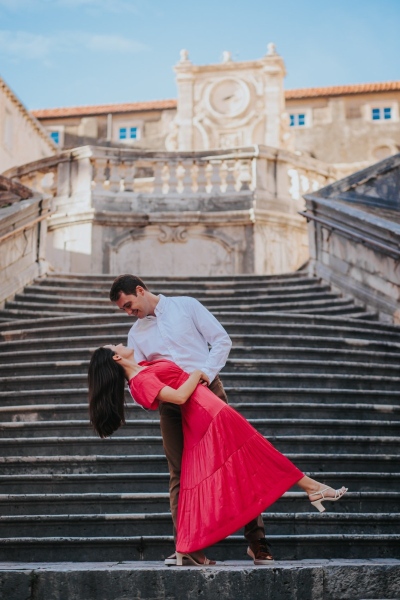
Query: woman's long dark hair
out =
(106, 379)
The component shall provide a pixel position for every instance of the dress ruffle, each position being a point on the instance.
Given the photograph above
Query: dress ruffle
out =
(228, 479)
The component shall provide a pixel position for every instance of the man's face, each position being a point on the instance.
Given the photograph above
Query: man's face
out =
(135, 306)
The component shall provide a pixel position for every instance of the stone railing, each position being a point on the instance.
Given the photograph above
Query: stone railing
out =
(23, 226)
(107, 172)
(238, 208)
(354, 227)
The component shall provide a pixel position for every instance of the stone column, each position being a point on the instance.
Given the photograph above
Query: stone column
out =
(184, 116)
(274, 72)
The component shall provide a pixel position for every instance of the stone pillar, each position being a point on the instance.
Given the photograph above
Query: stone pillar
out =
(184, 116)
(274, 72)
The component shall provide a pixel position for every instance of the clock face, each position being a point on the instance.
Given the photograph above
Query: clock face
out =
(229, 97)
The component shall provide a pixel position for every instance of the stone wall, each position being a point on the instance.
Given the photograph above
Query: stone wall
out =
(354, 230)
(22, 137)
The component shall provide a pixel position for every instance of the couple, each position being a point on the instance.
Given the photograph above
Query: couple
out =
(223, 473)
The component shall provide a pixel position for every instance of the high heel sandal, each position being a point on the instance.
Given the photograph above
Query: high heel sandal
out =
(318, 503)
(180, 557)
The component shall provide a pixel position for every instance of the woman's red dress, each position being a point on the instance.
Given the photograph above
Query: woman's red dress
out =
(230, 472)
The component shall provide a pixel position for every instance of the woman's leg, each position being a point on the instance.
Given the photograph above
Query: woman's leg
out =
(311, 486)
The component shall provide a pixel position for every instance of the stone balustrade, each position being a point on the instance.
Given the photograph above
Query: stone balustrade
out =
(242, 203)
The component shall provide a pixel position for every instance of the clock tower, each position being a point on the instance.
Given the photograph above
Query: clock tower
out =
(229, 104)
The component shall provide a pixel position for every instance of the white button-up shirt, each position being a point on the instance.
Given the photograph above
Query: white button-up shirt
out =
(181, 332)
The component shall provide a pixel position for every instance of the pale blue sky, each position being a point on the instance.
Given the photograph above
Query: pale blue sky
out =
(72, 52)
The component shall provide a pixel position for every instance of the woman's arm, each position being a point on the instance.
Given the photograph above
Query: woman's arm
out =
(183, 393)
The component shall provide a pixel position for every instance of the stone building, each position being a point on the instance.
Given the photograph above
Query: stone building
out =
(233, 104)
(22, 137)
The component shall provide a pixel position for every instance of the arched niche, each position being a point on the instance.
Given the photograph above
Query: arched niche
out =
(172, 251)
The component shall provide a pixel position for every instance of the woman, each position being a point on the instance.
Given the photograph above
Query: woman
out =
(223, 482)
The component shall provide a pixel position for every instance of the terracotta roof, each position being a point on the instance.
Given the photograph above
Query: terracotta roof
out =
(343, 90)
(99, 109)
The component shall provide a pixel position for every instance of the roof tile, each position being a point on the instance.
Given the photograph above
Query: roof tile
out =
(100, 109)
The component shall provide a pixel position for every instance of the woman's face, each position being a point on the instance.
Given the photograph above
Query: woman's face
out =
(121, 350)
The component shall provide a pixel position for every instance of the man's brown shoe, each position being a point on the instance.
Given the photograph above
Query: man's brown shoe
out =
(260, 552)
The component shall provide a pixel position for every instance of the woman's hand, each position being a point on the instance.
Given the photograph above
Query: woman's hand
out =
(204, 379)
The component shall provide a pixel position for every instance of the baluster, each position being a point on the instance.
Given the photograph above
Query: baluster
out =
(100, 166)
(158, 177)
(129, 176)
(230, 180)
(187, 181)
(223, 173)
(213, 178)
(201, 181)
(244, 175)
(180, 174)
(165, 176)
(173, 180)
(115, 178)
(194, 175)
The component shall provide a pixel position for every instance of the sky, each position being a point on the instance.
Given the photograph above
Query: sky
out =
(77, 52)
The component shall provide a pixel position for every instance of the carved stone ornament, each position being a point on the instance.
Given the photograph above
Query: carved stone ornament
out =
(174, 233)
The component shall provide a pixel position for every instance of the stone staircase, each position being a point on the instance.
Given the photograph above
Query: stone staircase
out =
(313, 372)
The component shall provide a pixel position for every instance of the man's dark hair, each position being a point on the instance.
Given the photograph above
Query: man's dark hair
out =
(126, 284)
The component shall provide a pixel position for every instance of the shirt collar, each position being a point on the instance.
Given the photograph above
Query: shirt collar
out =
(159, 309)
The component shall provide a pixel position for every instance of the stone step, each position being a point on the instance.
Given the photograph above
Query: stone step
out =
(253, 343)
(119, 327)
(283, 580)
(241, 394)
(154, 524)
(236, 300)
(26, 383)
(84, 483)
(151, 427)
(154, 463)
(125, 548)
(88, 445)
(103, 503)
(256, 323)
(238, 353)
(201, 293)
(89, 280)
(250, 410)
(239, 365)
(309, 303)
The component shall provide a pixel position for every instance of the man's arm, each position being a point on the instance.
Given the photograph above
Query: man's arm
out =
(214, 334)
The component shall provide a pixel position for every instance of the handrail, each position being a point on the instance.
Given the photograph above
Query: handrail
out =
(393, 252)
(26, 226)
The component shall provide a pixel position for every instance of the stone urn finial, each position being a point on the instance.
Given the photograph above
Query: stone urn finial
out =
(271, 49)
(184, 55)
(226, 56)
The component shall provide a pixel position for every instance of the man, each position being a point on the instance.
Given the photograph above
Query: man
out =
(181, 329)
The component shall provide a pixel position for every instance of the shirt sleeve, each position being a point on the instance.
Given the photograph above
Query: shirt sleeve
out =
(139, 356)
(214, 334)
(145, 388)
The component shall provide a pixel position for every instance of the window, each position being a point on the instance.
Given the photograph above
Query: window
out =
(297, 120)
(381, 113)
(128, 133)
(55, 136)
